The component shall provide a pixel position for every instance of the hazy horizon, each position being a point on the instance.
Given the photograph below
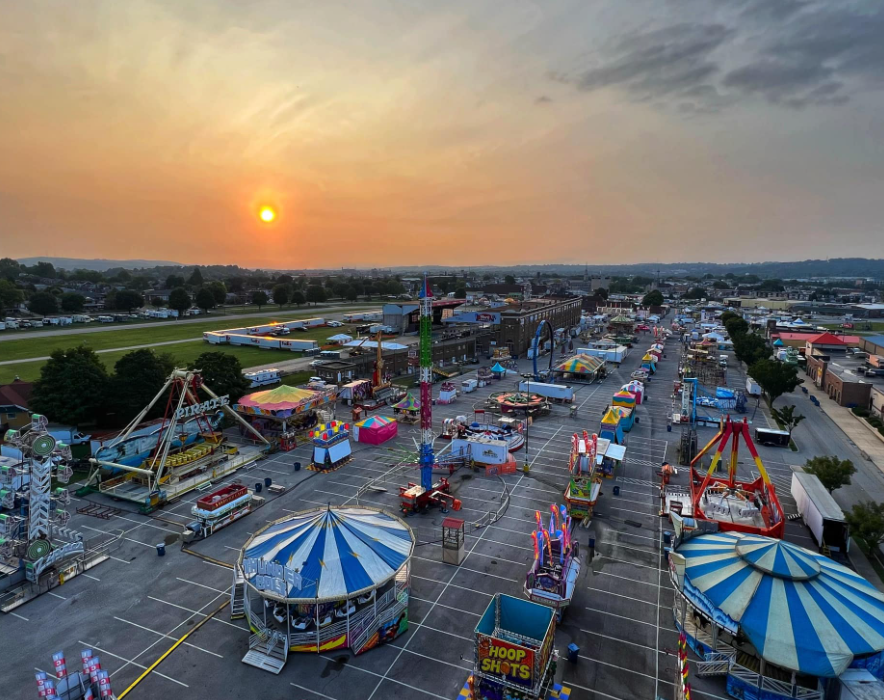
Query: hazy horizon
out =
(394, 131)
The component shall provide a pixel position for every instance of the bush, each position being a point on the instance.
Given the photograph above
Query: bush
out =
(875, 422)
(881, 430)
(860, 411)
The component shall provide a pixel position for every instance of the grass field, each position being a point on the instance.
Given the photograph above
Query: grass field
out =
(859, 327)
(183, 353)
(126, 337)
(288, 311)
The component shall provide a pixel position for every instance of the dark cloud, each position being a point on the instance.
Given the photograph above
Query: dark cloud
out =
(658, 63)
(543, 99)
(820, 57)
(792, 53)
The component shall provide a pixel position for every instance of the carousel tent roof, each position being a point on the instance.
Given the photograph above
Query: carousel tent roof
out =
(279, 399)
(580, 364)
(340, 551)
(621, 319)
(800, 610)
(409, 403)
(375, 422)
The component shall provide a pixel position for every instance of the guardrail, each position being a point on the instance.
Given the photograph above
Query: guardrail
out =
(771, 685)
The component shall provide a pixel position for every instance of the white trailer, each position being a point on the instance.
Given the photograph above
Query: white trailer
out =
(559, 392)
(752, 387)
(268, 342)
(821, 514)
(469, 385)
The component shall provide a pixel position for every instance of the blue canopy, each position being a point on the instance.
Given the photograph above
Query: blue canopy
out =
(339, 552)
(800, 610)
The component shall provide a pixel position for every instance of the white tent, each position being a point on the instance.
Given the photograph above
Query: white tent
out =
(340, 338)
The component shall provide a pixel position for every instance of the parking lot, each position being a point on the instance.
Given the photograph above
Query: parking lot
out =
(132, 608)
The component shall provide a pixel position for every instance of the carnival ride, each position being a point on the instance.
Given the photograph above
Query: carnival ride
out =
(321, 580)
(282, 415)
(37, 549)
(172, 467)
(772, 617)
(537, 349)
(742, 506)
(515, 402)
(218, 509)
(552, 578)
(419, 497)
(584, 483)
(509, 430)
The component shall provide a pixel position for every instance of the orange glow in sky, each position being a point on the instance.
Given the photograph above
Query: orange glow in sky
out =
(267, 214)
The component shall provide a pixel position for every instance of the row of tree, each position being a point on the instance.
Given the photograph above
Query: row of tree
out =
(774, 377)
(75, 387)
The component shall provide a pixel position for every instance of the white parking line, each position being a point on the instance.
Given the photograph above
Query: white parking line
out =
(128, 662)
(167, 636)
(20, 617)
(201, 585)
(314, 692)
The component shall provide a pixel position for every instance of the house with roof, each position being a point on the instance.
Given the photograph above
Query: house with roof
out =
(14, 399)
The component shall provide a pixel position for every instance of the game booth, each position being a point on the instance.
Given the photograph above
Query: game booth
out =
(331, 446)
(323, 580)
(447, 393)
(375, 430)
(498, 371)
(625, 401)
(283, 414)
(513, 659)
(581, 368)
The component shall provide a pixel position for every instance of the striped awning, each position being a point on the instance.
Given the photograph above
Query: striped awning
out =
(801, 610)
(339, 551)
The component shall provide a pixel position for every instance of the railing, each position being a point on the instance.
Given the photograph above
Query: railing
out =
(717, 663)
(771, 685)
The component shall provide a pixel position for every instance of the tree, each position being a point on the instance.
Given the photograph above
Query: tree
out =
(205, 299)
(831, 471)
(222, 373)
(866, 521)
(179, 300)
(750, 348)
(219, 291)
(727, 316)
(260, 299)
(298, 297)
(736, 327)
(787, 417)
(653, 298)
(774, 378)
(125, 300)
(174, 281)
(719, 284)
(509, 279)
(694, 293)
(315, 293)
(10, 295)
(601, 293)
(43, 269)
(72, 386)
(351, 293)
(195, 279)
(10, 269)
(43, 303)
(281, 294)
(285, 279)
(72, 302)
(138, 376)
(460, 293)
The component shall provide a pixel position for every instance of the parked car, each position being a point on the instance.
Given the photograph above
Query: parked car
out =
(334, 324)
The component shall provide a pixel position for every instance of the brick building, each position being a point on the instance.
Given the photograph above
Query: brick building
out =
(840, 384)
(518, 322)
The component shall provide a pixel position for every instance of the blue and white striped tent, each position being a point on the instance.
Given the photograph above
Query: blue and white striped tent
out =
(339, 552)
(801, 610)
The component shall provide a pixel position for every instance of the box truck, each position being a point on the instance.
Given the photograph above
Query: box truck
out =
(752, 388)
(557, 392)
(821, 514)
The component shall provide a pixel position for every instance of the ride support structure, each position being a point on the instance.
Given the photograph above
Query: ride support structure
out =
(426, 458)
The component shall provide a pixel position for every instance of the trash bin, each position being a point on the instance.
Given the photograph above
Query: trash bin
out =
(667, 538)
(669, 428)
(636, 419)
(161, 549)
(592, 542)
(297, 466)
(267, 481)
(257, 487)
(573, 652)
(616, 490)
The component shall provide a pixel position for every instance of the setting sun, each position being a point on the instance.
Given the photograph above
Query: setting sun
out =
(267, 214)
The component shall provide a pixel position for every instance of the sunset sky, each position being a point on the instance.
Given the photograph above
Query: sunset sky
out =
(459, 132)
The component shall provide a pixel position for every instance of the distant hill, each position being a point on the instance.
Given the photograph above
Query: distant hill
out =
(99, 265)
